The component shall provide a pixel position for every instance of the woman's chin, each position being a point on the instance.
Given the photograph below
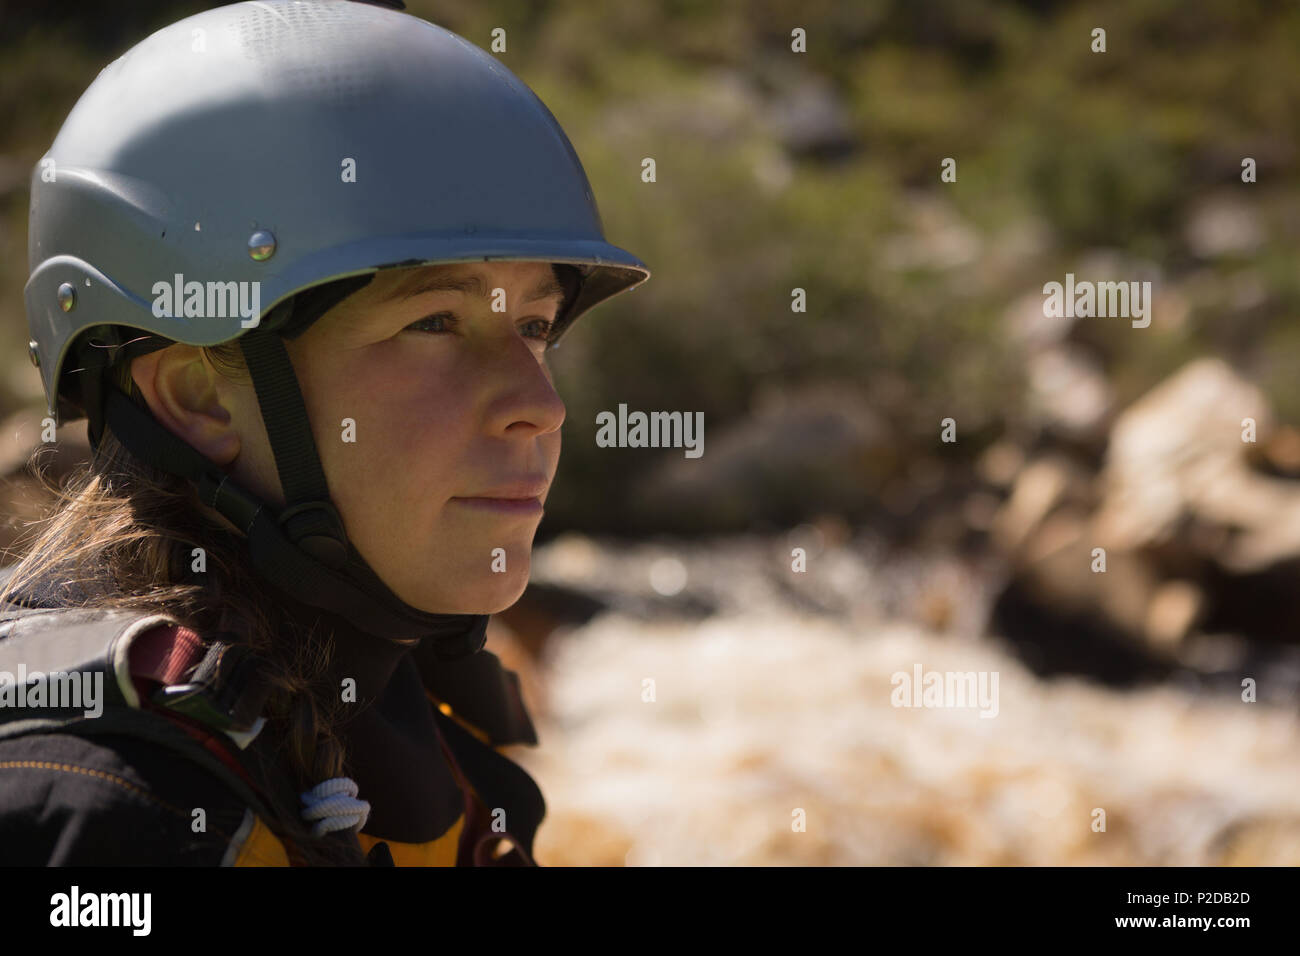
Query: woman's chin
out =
(503, 597)
(478, 598)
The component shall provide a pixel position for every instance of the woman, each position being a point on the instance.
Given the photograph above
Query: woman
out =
(299, 265)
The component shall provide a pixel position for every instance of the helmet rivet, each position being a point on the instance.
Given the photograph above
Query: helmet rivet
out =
(67, 296)
(33, 354)
(261, 245)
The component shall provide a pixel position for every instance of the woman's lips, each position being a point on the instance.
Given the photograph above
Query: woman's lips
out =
(505, 506)
(514, 496)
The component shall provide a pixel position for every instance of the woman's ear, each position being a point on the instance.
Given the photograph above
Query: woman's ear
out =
(180, 387)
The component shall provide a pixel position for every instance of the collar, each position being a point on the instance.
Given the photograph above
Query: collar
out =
(387, 729)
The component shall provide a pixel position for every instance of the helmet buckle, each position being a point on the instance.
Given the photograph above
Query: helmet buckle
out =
(316, 528)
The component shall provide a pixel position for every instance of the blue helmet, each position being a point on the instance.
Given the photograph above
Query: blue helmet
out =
(283, 146)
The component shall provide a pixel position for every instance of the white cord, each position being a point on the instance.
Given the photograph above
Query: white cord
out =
(333, 805)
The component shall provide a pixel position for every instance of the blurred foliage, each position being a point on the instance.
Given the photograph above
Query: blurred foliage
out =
(821, 171)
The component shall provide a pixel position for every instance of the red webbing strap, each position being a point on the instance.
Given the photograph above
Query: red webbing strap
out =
(166, 655)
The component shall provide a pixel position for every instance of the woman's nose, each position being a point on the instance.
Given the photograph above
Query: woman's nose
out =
(525, 399)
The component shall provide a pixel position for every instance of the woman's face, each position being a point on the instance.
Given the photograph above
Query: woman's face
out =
(435, 419)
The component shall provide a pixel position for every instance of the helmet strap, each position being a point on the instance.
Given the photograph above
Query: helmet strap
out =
(354, 592)
(309, 518)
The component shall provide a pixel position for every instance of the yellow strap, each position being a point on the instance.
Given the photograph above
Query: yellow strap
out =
(262, 848)
(440, 852)
(446, 709)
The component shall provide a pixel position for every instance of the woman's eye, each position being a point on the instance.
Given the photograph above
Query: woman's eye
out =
(446, 322)
(542, 328)
(433, 323)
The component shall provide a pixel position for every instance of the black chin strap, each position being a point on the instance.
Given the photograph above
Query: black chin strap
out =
(323, 569)
(309, 517)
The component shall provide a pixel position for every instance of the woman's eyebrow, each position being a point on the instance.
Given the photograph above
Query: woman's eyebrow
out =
(469, 285)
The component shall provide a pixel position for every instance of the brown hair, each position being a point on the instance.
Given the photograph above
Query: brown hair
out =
(121, 534)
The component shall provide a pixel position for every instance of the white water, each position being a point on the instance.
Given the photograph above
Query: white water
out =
(759, 713)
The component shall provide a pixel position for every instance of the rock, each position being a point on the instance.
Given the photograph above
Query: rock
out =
(1221, 225)
(1172, 611)
(1178, 453)
(1069, 391)
(937, 237)
(1039, 487)
(810, 118)
(1282, 448)
(1027, 326)
(1000, 463)
(834, 450)
(1193, 535)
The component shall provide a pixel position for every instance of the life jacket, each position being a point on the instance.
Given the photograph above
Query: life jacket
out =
(202, 700)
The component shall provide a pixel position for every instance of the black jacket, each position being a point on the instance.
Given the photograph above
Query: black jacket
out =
(423, 743)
